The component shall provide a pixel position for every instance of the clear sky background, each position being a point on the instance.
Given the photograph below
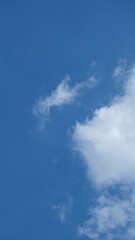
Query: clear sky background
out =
(46, 187)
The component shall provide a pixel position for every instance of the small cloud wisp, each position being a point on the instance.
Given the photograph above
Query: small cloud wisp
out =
(63, 95)
(63, 209)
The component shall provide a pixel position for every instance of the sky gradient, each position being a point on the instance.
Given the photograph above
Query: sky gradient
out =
(67, 90)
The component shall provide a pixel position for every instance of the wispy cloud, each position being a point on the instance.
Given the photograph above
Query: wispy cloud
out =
(111, 218)
(120, 70)
(107, 141)
(64, 209)
(93, 64)
(63, 95)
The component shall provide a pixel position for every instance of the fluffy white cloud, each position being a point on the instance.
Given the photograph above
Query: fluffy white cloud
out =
(107, 141)
(111, 218)
(63, 94)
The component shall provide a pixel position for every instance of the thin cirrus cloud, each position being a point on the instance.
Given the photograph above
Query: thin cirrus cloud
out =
(62, 95)
(120, 70)
(63, 210)
(107, 141)
(111, 218)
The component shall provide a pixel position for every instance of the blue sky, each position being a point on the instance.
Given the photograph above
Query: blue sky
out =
(67, 95)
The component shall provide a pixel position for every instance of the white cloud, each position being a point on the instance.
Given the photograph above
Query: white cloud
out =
(111, 218)
(64, 94)
(119, 71)
(63, 209)
(107, 141)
